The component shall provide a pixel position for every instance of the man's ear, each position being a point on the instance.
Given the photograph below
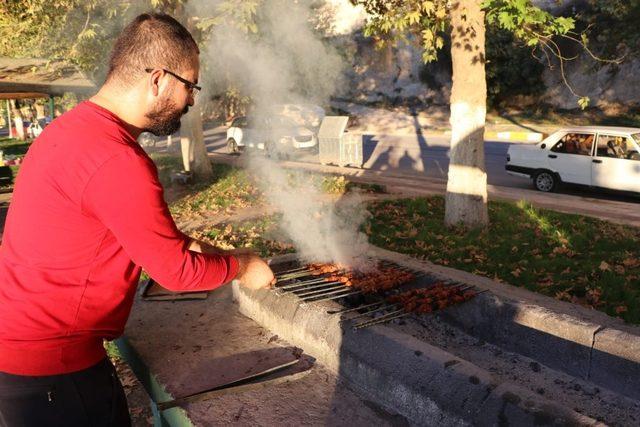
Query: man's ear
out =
(154, 80)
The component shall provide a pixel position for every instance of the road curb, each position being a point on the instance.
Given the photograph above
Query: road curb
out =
(407, 375)
(514, 136)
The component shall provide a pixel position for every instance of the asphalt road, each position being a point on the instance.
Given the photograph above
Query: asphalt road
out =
(427, 156)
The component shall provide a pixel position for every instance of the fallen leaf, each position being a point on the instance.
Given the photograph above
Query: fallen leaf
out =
(604, 266)
(560, 250)
(593, 296)
(563, 296)
(621, 309)
(619, 269)
(631, 262)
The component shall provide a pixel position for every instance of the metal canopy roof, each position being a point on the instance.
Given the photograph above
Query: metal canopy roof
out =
(38, 78)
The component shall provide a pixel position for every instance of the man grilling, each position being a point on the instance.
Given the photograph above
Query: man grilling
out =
(87, 214)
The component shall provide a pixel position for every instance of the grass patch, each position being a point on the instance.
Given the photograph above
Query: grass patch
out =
(229, 189)
(569, 257)
(232, 188)
(262, 235)
(112, 350)
(167, 164)
(331, 184)
(13, 146)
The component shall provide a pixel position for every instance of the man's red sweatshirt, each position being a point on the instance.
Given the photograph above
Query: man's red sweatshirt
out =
(87, 213)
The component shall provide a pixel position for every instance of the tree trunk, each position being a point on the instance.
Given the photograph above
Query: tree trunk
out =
(466, 198)
(194, 152)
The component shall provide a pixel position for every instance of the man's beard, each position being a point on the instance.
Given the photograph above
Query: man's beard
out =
(165, 118)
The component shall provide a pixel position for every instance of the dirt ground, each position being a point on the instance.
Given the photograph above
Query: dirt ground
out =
(137, 397)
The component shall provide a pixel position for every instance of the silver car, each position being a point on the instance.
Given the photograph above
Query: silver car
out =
(277, 135)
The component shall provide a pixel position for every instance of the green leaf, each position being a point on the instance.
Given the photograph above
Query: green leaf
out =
(583, 102)
(413, 17)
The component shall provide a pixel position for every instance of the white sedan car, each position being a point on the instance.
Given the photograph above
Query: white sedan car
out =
(277, 135)
(606, 157)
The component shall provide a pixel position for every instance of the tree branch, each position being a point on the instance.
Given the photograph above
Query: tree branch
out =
(597, 58)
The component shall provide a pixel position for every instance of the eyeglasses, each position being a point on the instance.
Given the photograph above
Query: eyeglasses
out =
(193, 88)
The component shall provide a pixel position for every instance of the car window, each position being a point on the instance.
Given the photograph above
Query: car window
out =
(575, 143)
(257, 122)
(283, 122)
(617, 147)
(240, 122)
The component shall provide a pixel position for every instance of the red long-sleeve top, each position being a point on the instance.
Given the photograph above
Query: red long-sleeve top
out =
(87, 213)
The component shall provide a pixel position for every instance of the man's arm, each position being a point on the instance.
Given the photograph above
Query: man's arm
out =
(125, 195)
(253, 272)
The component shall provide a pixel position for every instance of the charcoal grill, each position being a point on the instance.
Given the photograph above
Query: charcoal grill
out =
(310, 285)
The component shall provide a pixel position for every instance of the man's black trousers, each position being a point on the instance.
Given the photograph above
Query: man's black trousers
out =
(91, 397)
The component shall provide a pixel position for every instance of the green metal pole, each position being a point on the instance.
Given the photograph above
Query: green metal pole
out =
(52, 107)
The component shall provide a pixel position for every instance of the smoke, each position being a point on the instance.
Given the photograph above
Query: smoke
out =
(322, 230)
(339, 17)
(287, 61)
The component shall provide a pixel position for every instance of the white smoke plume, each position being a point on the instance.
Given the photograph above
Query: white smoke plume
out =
(288, 61)
(322, 230)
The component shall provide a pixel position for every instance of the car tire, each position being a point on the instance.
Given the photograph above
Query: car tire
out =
(232, 146)
(545, 181)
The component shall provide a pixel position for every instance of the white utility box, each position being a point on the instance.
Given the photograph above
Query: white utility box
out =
(336, 145)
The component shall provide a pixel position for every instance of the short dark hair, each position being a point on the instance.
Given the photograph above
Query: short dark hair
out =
(151, 40)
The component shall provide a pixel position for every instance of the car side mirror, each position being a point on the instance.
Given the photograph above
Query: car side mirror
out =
(543, 146)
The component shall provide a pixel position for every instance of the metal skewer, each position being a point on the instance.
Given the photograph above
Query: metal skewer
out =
(293, 270)
(401, 313)
(308, 273)
(382, 319)
(360, 307)
(307, 288)
(324, 286)
(303, 284)
(369, 312)
(292, 276)
(323, 290)
(328, 298)
(326, 294)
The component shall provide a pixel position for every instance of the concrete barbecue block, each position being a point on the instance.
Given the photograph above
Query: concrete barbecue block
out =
(425, 382)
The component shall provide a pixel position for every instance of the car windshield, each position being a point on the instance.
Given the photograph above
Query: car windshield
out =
(283, 122)
(636, 138)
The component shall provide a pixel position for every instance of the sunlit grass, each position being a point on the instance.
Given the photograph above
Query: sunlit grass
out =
(262, 235)
(569, 257)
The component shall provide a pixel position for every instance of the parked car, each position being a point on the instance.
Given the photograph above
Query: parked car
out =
(307, 115)
(606, 157)
(277, 135)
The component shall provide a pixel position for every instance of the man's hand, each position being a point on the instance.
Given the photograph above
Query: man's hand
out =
(254, 273)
